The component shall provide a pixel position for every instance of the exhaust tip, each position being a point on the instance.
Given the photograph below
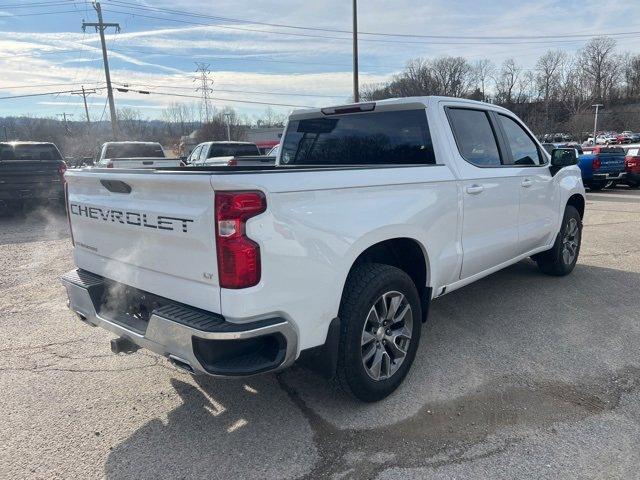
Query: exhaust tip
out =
(123, 345)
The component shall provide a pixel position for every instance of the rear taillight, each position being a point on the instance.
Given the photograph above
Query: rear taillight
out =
(109, 164)
(232, 163)
(238, 255)
(61, 169)
(68, 208)
(596, 163)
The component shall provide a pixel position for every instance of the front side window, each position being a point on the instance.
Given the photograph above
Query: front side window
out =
(193, 158)
(374, 138)
(475, 138)
(523, 149)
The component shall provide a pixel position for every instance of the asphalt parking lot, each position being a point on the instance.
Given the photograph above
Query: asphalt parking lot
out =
(518, 375)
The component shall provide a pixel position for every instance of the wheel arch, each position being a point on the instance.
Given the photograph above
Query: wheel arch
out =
(406, 253)
(577, 201)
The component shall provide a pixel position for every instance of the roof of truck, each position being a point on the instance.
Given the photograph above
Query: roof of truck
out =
(131, 142)
(426, 100)
(20, 142)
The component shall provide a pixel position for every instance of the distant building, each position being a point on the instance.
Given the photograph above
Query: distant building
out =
(265, 138)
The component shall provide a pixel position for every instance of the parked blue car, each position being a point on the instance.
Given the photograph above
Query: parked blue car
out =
(601, 165)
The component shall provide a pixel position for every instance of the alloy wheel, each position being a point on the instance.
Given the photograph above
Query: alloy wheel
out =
(386, 335)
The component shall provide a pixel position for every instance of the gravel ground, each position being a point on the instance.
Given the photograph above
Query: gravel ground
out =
(518, 376)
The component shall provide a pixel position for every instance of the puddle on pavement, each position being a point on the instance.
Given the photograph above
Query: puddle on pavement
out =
(445, 432)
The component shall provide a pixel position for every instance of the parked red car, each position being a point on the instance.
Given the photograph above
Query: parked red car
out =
(632, 167)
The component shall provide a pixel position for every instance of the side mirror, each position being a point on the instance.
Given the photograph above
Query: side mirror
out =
(563, 157)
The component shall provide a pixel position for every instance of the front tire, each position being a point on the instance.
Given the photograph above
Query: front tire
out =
(380, 329)
(595, 187)
(563, 256)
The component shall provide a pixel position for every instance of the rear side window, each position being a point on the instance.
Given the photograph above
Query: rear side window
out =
(377, 138)
(475, 138)
(523, 149)
(203, 153)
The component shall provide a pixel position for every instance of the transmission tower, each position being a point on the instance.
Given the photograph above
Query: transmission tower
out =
(205, 89)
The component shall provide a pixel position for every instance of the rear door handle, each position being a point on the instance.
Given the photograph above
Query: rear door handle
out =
(475, 189)
(526, 183)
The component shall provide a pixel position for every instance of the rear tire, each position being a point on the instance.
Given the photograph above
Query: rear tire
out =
(596, 186)
(563, 256)
(380, 329)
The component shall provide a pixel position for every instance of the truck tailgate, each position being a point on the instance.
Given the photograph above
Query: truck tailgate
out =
(150, 230)
(28, 179)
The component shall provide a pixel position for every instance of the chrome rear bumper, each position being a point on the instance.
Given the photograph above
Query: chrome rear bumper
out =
(189, 337)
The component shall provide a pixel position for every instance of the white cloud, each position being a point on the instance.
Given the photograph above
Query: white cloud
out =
(148, 52)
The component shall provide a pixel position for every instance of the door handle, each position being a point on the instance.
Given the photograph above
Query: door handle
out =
(475, 189)
(526, 183)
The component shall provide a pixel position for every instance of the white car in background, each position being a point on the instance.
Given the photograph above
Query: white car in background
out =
(134, 155)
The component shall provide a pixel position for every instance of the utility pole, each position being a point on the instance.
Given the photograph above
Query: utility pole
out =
(205, 90)
(64, 119)
(84, 94)
(100, 28)
(356, 89)
(6, 134)
(228, 115)
(595, 123)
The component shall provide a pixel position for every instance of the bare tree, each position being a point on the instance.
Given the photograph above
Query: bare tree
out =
(507, 80)
(453, 76)
(271, 119)
(483, 70)
(597, 58)
(132, 125)
(180, 117)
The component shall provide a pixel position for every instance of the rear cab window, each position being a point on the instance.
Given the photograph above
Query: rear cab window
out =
(133, 150)
(399, 137)
(233, 150)
(29, 152)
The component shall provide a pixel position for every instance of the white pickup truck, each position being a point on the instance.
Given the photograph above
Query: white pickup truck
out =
(333, 254)
(130, 154)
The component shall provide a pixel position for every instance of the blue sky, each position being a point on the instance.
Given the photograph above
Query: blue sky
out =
(43, 49)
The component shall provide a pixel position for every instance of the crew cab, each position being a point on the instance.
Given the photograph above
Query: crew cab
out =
(601, 166)
(332, 255)
(228, 154)
(30, 173)
(134, 155)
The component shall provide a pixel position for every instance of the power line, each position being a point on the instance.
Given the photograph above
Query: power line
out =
(256, 92)
(52, 52)
(15, 87)
(326, 37)
(43, 94)
(51, 3)
(35, 14)
(134, 6)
